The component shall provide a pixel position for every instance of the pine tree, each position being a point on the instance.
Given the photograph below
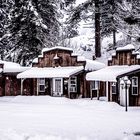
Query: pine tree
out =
(5, 10)
(130, 19)
(34, 26)
(108, 21)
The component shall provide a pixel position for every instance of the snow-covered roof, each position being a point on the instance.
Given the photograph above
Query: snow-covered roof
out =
(49, 72)
(92, 65)
(110, 58)
(35, 60)
(41, 55)
(74, 54)
(11, 67)
(57, 47)
(127, 47)
(81, 58)
(110, 73)
(135, 52)
(138, 56)
(113, 54)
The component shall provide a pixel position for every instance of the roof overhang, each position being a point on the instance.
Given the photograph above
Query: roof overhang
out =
(111, 73)
(50, 72)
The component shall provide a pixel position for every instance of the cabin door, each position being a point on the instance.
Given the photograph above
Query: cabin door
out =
(57, 87)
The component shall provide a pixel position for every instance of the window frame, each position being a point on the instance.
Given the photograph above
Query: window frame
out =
(73, 86)
(40, 83)
(135, 86)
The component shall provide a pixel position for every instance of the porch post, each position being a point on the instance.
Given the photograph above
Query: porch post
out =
(91, 91)
(107, 90)
(69, 87)
(37, 88)
(98, 94)
(21, 86)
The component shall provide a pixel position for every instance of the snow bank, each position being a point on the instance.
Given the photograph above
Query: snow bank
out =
(54, 118)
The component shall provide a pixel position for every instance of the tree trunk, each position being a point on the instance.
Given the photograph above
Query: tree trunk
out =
(97, 30)
(114, 30)
(114, 38)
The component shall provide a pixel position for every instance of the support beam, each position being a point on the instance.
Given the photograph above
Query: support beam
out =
(91, 91)
(98, 88)
(22, 80)
(69, 87)
(37, 87)
(107, 90)
(98, 96)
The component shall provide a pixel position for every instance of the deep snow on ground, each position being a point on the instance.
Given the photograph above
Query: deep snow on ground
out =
(54, 118)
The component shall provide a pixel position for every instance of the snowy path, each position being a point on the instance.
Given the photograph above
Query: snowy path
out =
(50, 118)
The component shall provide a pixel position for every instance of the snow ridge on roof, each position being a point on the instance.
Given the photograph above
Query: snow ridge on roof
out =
(127, 47)
(56, 47)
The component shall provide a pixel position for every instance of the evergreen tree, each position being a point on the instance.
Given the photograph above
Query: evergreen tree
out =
(108, 21)
(34, 26)
(129, 12)
(5, 18)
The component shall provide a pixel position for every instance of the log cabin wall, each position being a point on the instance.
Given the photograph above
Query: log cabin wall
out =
(65, 59)
(11, 87)
(124, 57)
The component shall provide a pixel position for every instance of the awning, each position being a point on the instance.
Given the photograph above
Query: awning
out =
(110, 73)
(49, 72)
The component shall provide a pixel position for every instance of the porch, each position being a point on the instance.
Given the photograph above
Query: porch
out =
(111, 76)
(58, 81)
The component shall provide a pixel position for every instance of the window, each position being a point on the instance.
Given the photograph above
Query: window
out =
(95, 85)
(134, 85)
(41, 84)
(73, 84)
(113, 88)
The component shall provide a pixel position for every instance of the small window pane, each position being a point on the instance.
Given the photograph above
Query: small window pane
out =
(134, 85)
(73, 84)
(113, 88)
(42, 88)
(134, 81)
(94, 85)
(135, 91)
(41, 81)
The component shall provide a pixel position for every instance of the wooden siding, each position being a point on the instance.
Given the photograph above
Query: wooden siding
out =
(124, 58)
(65, 59)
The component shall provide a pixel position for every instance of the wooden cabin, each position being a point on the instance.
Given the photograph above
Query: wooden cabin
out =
(124, 63)
(58, 72)
(9, 84)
